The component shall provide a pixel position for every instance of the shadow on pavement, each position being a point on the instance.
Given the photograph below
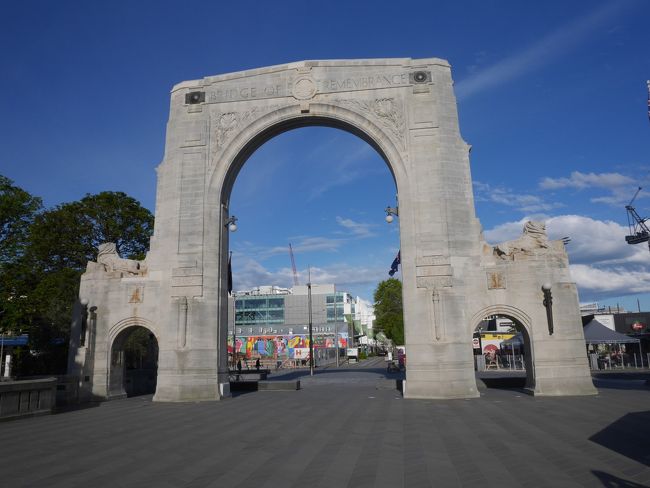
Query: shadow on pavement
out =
(628, 436)
(611, 481)
(501, 380)
(622, 384)
(300, 373)
(505, 383)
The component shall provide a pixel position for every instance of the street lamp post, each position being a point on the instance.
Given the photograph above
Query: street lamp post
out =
(311, 337)
(336, 329)
(548, 304)
(2, 351)
(234, 332)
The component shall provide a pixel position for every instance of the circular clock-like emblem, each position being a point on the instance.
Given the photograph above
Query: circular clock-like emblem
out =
(304, 88)
(420, 76)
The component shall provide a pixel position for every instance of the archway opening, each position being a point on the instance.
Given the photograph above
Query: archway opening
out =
(323, 191)
(133, 363)
(503, 355)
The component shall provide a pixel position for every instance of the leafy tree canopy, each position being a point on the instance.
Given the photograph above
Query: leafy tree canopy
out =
(389, 311)
(68, 235)
(17, 211)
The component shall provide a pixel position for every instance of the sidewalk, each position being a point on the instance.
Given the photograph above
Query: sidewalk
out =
(346, 428)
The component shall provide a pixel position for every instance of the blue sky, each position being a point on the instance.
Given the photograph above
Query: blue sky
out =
(551, 96)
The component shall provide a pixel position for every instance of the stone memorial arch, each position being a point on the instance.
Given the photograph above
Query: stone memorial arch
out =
(406, 110)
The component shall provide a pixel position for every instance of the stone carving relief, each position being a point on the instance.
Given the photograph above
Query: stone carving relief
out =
(136, 294)
(304, 89)
(496, 280)
(533, 241)
(108, 260)
(226, 124)
(387, 111)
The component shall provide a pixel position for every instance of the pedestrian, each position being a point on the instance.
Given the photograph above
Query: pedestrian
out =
(257, 364)
(239, 365)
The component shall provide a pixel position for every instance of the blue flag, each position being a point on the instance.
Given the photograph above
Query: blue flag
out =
(395, 266)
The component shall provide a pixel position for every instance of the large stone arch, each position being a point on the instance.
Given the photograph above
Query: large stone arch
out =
(406, 110)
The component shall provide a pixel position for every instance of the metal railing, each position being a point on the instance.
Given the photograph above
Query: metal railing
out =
(499, 362)
(619, 361)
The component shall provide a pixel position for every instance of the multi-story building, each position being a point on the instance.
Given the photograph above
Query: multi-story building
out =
(273, 322)
(364, 318)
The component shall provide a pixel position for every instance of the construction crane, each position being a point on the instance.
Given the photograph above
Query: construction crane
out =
(639, 231)
(293, 266)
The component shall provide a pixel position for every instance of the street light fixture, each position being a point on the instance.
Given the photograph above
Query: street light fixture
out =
(231, 224)
(548, 304)
(311, 336)
(390, 211)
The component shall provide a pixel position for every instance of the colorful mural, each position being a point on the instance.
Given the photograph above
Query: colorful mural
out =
(279, 346)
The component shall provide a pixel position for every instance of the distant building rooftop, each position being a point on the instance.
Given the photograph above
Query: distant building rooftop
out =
(316, 289)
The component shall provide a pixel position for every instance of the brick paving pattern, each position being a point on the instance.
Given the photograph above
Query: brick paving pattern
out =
(345, 428)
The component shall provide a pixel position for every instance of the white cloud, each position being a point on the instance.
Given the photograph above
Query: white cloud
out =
(506, 231)
(598, 283)
(358, 229)
(250, 273)
(587, 180)
(505, 196)
(592, 241)
(308, 244)
(299, 244)
(620, 187)
(544, 51)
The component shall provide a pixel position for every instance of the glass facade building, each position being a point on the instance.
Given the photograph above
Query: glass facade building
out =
(259, 310)
(272, 322)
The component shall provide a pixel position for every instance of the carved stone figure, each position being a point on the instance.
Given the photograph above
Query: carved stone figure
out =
(533, 240)
(111, 260)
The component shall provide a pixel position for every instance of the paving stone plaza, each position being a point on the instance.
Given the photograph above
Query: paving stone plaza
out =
(345, 428)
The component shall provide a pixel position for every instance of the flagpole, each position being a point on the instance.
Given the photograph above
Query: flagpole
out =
(234, 312)
(648, 83)
(311, 338)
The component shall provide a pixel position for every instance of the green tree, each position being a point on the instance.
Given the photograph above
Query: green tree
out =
(17, 211)
(389, 311)
(68, 235)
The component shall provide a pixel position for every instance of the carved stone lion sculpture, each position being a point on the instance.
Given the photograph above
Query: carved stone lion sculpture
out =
(111, 260)
(533, 240)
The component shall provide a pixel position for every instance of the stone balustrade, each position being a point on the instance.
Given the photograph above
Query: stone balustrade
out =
(27, 398)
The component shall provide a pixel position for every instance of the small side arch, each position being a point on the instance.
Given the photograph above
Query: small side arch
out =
(125, 378)
(124, 324)
(523, 324)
